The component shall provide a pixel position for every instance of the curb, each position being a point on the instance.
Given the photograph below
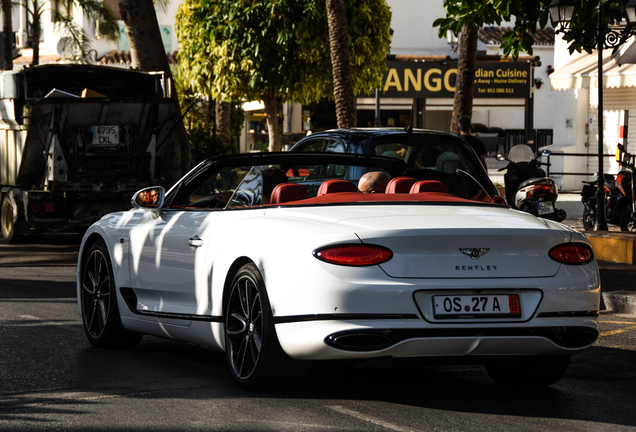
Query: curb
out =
(613, 246)
(623, 302)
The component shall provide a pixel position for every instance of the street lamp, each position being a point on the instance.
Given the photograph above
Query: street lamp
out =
(452, 38)
(561, 12)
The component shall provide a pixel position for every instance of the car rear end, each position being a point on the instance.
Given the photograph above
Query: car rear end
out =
(469, 282)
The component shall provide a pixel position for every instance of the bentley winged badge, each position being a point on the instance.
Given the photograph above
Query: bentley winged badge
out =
(474, 253)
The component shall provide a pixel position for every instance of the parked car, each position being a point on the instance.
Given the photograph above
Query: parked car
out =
(430, 155)
(278, 279)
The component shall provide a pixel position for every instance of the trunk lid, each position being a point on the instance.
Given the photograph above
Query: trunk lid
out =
(432, 241)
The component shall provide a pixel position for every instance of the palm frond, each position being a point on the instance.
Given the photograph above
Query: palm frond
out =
(102, 16)
(162, 5)
(77, 46)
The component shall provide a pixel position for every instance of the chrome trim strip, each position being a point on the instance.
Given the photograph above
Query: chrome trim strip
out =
(341, 317)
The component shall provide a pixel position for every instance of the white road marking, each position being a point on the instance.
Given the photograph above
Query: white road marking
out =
(40, 321)
(372, 419)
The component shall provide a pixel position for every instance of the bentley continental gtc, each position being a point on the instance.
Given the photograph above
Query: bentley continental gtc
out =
(277, 259)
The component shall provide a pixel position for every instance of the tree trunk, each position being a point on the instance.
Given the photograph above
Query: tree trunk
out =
(341, 64)
(35, 34)
(463, 102)
(271, 111)
(223, 120)
(7, 29)
(148, 54)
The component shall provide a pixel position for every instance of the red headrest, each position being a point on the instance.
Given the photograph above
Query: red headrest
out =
(429, 186)
(400, 185)
(331, 186)
(286, 192)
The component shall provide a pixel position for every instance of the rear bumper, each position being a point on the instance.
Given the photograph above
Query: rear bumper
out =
(333, 340)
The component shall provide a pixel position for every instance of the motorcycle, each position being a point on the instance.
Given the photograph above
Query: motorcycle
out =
(527, 186)
(619, 202)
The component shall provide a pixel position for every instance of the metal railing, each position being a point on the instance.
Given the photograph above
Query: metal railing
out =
(543, 138)
(548, 172)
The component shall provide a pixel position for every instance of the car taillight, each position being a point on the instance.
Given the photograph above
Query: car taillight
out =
(354, 255)
(572, 253)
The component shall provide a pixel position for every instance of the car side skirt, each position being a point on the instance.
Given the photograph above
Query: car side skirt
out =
(130, 298)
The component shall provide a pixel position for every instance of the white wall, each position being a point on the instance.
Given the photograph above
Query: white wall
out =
(412, 24)
(51, 37)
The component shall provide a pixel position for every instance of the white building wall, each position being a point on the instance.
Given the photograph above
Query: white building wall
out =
(414, 34)
(412, 24)
(51, 36)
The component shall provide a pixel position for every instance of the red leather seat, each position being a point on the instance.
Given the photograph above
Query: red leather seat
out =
(332, 186)
(286, 192)
(429, 186)
(400, 185)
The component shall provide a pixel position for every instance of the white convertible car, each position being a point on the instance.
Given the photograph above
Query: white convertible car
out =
(277, 259)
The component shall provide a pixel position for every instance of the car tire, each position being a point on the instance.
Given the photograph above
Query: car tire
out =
(98, 297)
(627, 220)
(532, 372)
(254, 355)
(7, 220)
(589, 217)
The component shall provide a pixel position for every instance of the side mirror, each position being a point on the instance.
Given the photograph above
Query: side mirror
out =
(546, 153)
(500, 157)
(150, 198)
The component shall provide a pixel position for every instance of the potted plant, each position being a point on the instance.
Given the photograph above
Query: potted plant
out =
(501, 189)
(538, 82)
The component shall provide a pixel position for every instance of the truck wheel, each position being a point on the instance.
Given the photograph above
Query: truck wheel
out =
(7, 220)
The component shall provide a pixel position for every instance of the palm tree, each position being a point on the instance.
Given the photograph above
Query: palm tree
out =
(467, 53)
(147, 53)
(341, 64)
(76, 44)
(7, 32)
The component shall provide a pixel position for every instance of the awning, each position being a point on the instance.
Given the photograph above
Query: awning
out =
(626, 53)
(582, 72)
(253, 106)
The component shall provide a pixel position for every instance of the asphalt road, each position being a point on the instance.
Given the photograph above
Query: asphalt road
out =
(52, 379)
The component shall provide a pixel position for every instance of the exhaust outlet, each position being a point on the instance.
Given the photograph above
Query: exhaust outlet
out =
(577, 337)
(359, 341)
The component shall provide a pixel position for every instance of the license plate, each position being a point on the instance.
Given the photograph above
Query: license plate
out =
(105, 135)
(545, 207)
(476, 306)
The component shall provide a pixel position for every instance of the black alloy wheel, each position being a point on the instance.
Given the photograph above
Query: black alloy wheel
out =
(100, 312)
(255, 357)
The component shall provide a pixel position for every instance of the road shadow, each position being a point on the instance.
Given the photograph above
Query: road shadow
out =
(53, 250)
(598, 387)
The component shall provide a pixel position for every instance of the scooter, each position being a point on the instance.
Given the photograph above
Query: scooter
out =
(527, 186)
(619, 200)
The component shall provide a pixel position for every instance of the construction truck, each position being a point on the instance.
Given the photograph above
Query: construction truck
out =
(76, 142)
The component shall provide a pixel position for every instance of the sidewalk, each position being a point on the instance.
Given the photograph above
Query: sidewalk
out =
(615, 252)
